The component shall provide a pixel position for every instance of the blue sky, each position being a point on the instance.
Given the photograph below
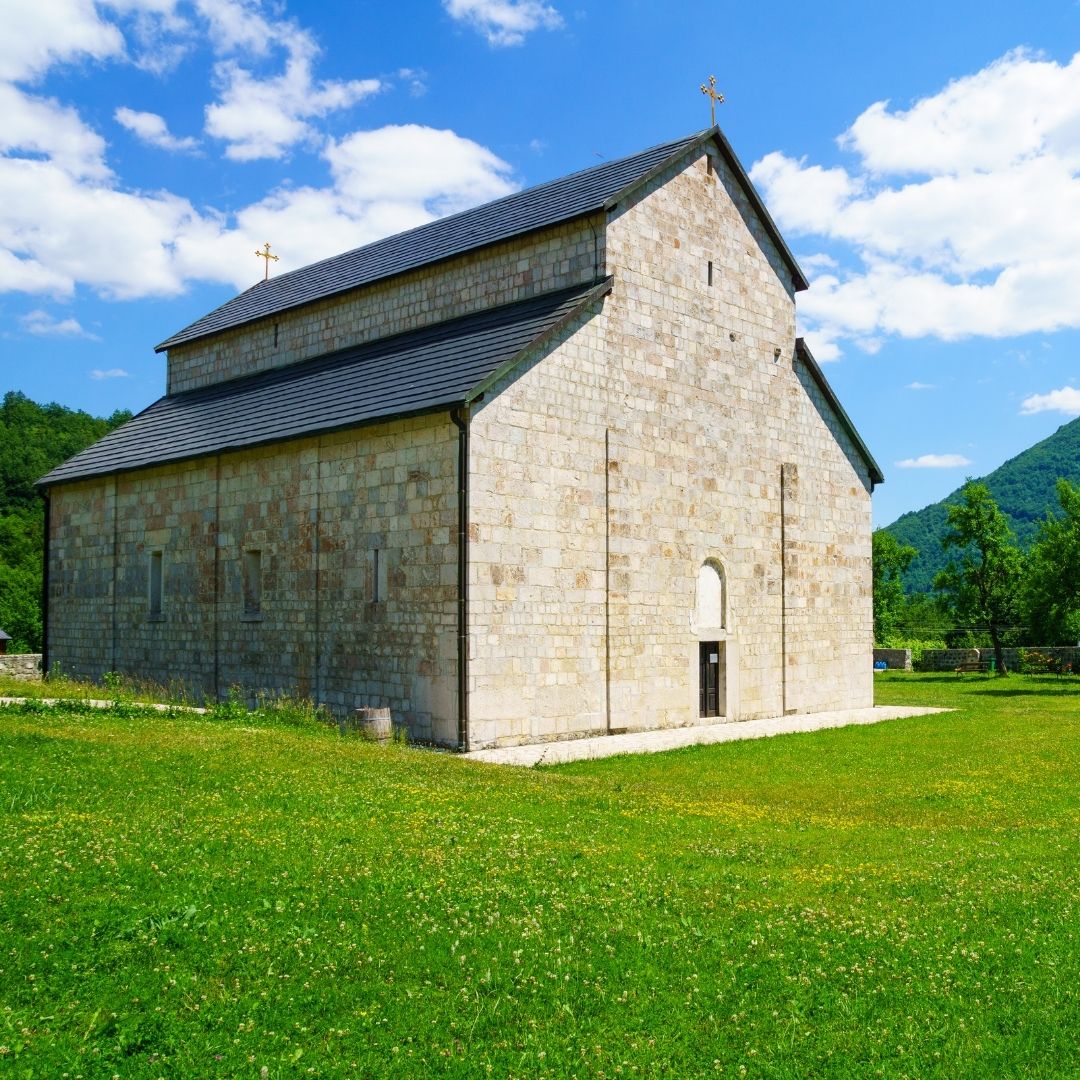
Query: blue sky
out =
(921, 159)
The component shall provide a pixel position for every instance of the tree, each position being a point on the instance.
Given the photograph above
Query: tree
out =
(1052, 594)
(984, 586)
(33, 439)
(890, 560)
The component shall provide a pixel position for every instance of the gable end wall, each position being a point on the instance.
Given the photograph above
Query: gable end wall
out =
(652, 437)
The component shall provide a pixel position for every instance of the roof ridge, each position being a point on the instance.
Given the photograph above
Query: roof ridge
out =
(491, 204)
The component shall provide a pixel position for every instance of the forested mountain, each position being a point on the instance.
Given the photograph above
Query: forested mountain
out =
(1023, 488)
(33, 439)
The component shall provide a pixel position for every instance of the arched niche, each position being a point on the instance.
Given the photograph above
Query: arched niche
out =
(711, 613)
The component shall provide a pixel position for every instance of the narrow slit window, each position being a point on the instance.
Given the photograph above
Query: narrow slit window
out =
(376, 591)
(252, 582)
(157, 582)
(710, 271)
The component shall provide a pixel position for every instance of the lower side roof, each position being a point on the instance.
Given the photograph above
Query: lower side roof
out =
(423, 371)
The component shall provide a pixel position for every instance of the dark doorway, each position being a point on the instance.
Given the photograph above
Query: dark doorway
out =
(713, 684)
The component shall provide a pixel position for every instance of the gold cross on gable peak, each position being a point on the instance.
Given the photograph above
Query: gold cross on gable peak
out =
(715, 97)
(265, 254)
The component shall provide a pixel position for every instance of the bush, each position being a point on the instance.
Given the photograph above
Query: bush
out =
(916, 645)
(1033, 662)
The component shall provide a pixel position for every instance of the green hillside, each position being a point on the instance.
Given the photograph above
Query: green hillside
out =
(33, 439)
(1023, 487)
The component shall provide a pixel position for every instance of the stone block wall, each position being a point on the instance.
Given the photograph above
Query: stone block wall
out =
(315, 510)
(1061, 654)
(653, 437)
(736, 461)
(537, 547)
(21, 666)
(82, 541)
(568, 254)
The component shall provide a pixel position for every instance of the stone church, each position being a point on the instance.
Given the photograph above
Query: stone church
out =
(555, 466)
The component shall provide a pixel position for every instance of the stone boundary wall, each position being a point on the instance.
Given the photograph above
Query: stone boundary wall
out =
(21, 666)
(948, 659)
(897, 659)
(1063, 654)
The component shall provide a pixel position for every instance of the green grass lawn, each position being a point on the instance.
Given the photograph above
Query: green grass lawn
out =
(189, 897)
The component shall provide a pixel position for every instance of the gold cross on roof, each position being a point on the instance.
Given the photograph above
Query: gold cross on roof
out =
(265, 254)
(715, 97)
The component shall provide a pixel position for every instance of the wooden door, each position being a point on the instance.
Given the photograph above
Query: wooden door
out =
(711, 683)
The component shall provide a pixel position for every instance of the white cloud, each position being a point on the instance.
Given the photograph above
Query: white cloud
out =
(159, 36)
(38, 35)
(1017, 108)
(1066, 400)
(112, 373)
(43, 324)
(67, 221)
(821, 348)
(934, 461)
(119, 243)
(21, 274)
(438, 172)
(58, 232)
(805, 198)
(416, 79)
(921, 386)
(817, 261)
(264, 117)
(152, 129)
(35, 127)
(961, 216)
(385, 181)
(504, 22)
(258, 114)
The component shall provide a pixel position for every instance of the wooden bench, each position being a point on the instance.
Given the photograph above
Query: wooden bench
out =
(973, 667)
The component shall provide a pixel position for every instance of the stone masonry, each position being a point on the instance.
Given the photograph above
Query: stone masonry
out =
(21, 666)
(316, 510)
(653, 437)
(553, 259)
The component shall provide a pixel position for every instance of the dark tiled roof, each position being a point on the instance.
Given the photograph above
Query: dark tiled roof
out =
(548, 204)
(424, 371)
(803, 354)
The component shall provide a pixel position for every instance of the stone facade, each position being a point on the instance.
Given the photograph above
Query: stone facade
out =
(665, 438)
(660, 433)
(335, 622)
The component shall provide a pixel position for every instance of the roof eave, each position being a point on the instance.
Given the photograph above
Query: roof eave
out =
(803, 354)
(45, 483)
